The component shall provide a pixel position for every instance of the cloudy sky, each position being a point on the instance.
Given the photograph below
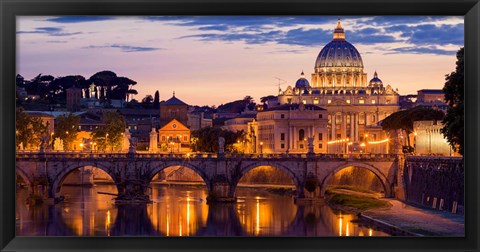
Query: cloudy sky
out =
(211, 60)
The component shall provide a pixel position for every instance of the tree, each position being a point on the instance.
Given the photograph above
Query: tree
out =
(404, 119)
(453, 128)
(67, 130)
(29, 130)
(104, 80)
(147, 101)
(206, 139)
(109, 136)
(57, 88)
(156, 100)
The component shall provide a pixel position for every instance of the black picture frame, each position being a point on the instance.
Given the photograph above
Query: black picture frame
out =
(12, 8)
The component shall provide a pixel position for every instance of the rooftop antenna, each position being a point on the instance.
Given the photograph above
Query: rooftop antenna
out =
(280, 81)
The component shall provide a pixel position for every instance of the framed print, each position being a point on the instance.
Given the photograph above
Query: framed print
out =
(261, 125)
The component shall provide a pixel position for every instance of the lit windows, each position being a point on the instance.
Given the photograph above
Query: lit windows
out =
(361, 101)
(373, 101)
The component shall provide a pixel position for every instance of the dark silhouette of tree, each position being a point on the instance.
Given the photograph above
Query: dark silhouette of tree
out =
(120, 88)
(156, 100)
(147, 101)
(39, 85)
(58, 87)
(20, 81)
(104, 80)
(454, 121)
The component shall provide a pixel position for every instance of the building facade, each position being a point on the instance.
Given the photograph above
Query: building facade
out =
(428, 139)
(173, 108)
(289, 128)
(339, 85)
(174, 137)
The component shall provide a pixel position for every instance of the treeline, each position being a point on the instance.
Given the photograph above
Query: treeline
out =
(53, 89)
(31, 132)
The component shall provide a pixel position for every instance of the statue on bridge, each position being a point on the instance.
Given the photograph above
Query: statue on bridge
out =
(131, 148)
(58, 144)
(310, 145)
(221, 145)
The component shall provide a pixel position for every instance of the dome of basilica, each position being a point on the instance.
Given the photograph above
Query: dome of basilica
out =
(302, 82)
(375, 81)
(339, 52)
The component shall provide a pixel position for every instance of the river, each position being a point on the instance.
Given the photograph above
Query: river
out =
(180, 210)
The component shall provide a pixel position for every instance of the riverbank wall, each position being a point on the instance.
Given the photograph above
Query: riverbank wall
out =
(435, 182)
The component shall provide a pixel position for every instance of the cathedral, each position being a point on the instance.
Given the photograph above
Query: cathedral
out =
(354, 105)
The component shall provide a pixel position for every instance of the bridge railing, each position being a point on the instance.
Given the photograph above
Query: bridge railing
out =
(146, 155)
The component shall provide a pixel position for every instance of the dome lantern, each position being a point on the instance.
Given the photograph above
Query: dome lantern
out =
(339, 33)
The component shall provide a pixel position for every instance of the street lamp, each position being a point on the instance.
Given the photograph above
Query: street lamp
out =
(261, 147)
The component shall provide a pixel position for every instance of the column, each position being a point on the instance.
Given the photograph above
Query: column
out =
(356, 127)
(352, 134)
(324, 79)
(290, 138)
(294, 130)
(333, 127)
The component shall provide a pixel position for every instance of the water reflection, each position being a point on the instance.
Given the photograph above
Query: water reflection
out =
(182, 211)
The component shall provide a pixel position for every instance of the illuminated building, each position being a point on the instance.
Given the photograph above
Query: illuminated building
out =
(286, 129)
(339, 85)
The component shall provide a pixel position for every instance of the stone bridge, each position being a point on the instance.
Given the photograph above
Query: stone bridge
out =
(133, 172)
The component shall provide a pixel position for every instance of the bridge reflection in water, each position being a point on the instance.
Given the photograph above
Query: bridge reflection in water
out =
(182, 211)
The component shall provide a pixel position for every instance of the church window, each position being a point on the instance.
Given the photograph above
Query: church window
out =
(329, 101)
(301, 135)
(163, 138)
(315, 100)
(348, 119)
(320, 116)
(387, 101)
(320, 136)
(282, 116)
(361, 118)
(373, 118)
(304, 101)
(348, 101)
(282, 136)
(329, 119)
(339, 119)
(185, 138)
(361, 101)
(320, 146)
(282, 146)
(373, 101)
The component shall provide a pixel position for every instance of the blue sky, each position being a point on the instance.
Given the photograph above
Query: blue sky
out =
(210, 60)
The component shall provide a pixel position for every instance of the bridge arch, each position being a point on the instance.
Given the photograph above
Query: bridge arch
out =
(28, 179)
(200, 172)
(245, 169)
(378, 173)
(58, 179)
